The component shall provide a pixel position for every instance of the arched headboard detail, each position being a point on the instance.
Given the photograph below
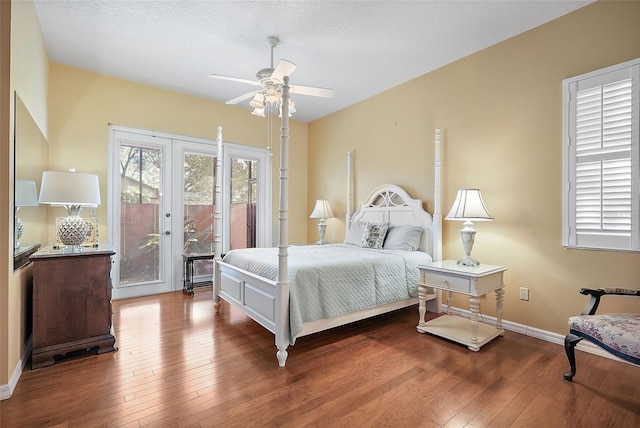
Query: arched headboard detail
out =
(392, 204)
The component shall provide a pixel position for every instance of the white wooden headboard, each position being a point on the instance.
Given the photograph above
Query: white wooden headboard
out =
(392, 204)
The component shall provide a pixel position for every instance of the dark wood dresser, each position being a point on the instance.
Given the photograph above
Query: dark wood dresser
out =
(71, 303)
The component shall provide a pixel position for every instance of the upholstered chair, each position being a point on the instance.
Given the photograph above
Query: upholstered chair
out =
(616, 333)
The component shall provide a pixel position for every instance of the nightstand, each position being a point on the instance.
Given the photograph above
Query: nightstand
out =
(473, 281)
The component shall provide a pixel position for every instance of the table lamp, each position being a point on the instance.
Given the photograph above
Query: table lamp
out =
(71, 190)
(322, 210)
(25, 196)
(468, 207)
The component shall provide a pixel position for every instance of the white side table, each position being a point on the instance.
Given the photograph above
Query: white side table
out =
(474, 281)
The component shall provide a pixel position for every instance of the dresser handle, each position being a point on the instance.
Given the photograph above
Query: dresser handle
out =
(444, 281)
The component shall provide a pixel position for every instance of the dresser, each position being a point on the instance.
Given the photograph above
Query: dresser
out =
(473, 281)
(71, 303)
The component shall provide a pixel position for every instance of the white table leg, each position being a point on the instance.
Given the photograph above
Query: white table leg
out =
(422, 306)
(474, 305)
(449, 295)
(499, 300)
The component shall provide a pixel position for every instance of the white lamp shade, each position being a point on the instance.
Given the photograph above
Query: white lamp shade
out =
(69, 188)
(26, 194)
(322, 209)
(469, 206)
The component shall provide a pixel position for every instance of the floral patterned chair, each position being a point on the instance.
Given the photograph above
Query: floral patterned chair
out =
(618, 334)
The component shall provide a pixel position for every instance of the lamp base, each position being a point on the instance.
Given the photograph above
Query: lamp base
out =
(322, 227)
(18, 232)
(73, 230)
(468, 235)
(468, 261)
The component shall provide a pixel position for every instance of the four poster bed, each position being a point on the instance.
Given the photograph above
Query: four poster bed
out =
(294, 291)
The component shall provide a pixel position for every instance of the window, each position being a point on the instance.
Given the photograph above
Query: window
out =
(601, 159)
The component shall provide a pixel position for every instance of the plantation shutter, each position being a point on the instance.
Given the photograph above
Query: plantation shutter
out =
(603, 161)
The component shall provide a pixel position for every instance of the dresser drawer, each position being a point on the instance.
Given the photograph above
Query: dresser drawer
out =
(447, 282)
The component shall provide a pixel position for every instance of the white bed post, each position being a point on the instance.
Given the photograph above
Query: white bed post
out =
(217, 223)
(437, 218)
(350, 192)
(282, 286)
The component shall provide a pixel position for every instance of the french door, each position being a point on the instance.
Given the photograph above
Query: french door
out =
(161, 201)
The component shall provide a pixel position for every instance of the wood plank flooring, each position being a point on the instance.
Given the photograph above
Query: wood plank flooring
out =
(181, 365)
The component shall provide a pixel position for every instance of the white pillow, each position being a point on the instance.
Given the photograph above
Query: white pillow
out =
(354, 235)
(373, 235)
(403, 238)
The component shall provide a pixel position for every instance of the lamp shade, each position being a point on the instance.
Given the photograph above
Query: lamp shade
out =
(469, 206)
(25, 195)
(322, 209)
(69, 188)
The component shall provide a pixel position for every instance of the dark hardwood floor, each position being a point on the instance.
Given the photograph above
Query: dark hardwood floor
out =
(179, 365)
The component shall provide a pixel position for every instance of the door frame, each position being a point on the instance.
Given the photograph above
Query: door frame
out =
(264, 212)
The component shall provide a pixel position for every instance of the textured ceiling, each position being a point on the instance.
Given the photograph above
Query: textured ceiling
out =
(357, 48)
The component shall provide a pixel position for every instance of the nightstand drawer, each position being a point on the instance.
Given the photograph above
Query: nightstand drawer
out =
(448, 282)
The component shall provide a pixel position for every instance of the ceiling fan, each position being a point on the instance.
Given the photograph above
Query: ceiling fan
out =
(270, 81)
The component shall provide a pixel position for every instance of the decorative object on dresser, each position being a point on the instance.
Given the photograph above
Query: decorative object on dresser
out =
(468, 207)
(322, 210)
(25, 196)
(474, 281)
(71, 303)
(616, 333)
(72, 190)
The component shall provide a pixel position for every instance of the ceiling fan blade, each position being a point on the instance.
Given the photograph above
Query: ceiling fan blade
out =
(234, 79)
(243, 97)
(284, 68)
(312, 91)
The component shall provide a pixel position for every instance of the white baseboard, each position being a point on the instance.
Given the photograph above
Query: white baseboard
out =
(6, 391)
(536, 333)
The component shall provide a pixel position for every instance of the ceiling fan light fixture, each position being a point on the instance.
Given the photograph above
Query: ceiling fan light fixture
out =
(258, 112)
(257, 101)
(272, 97)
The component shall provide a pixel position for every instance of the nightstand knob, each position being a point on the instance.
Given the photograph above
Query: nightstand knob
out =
(444, 281)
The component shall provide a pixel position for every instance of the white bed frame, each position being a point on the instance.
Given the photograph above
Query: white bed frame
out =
(267, 302)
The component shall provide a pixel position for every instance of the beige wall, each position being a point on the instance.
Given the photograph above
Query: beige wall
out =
(83, 104)
(500, 111)
(29, 78)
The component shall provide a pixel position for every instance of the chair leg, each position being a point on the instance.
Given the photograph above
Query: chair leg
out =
(570, 342)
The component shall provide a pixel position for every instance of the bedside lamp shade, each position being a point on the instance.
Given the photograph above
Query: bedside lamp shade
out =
(322, 210)
(25, 196)
(71, 190)
(468, 207)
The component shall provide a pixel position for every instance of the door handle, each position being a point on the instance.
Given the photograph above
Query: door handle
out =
(167, 232)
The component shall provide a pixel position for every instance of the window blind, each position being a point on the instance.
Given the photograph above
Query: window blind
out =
(603, 167)
(601, 152)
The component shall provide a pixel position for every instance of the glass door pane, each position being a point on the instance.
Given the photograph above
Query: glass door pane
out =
(140, 224)
(198, 209)
(244, 188)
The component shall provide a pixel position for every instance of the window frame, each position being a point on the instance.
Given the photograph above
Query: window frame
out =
(572, 237)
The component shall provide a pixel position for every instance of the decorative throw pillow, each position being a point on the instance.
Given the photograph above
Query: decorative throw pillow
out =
(403, 238)
(373, 235)
(354, 235)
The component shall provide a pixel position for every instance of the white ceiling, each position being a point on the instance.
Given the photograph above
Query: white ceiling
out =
(357, 48)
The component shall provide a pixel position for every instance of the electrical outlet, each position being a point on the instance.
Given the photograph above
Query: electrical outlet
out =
(524, 293)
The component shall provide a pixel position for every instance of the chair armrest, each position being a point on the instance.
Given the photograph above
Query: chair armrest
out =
(592, 306)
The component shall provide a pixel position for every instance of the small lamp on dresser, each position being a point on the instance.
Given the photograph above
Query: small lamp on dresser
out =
(71, 190)
(322, 210)
(468, 207)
